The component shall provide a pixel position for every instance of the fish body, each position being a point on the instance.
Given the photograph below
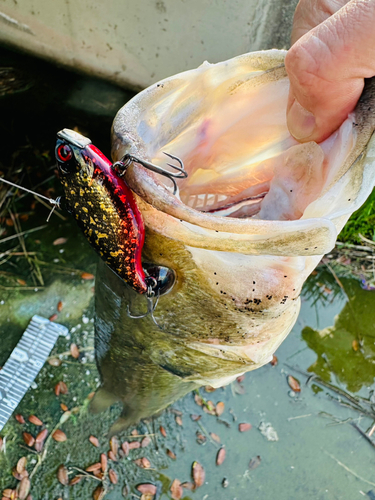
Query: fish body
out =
(103, 206)
(244, 231)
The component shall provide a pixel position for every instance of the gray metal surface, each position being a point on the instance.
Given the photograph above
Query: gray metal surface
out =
(25, 362)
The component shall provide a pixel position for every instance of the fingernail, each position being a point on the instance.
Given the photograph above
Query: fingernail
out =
(301, 123)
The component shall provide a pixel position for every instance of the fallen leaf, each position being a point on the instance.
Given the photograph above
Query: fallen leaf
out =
(198, 474)
(94, 467)
(114, 444)
(134, 445)
(62, 475)
(59, 436)
(112, 456)
(19, 418)
(244, 427)
(55, 361)
(60, 241)
(195, 417)
(53, 317)
(87, 276)
(64, 407)
(28, 438)
(198, 400)
(59, 306)
(134, 432)
(35, 420)
(220, 406)
(21, 282)
(24, 488)
(94, 441)
(147, 489)
(99, 493)
(274, 360)
(171, 454)
(178, 420)
(176, 490)
(163, 432)
(61, 388)
(145, 441)
(254, 462)
(103, 462)
(75, 480)
(113, 476)
(294, 384)
(21, 465)
(220, 456)
(74, 351)
(215, 437)
(39, 440)
(7, 493)
(125, 448)
(201, 438)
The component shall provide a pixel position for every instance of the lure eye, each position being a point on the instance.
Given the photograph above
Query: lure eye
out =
(160, 278)
(64, 153)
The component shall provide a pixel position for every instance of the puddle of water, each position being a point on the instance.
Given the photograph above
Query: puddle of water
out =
(318, 454)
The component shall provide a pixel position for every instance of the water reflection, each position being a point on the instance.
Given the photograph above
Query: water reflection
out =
(346, 349)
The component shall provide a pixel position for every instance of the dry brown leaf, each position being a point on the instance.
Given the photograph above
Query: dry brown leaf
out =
(163, 432)
(7, 493)
(94, 467)
(75, 480)
(55, 361)
(60, 241)
(53, 317)
(59, 306)
(178, 420)
(21, 465)
(94, 441)
(62, 475)
(28, 438)
(171, 454)
(35, 420)
(244, 427)
(176, 490)
(24, 488)
(220, 456)
(39, 440)
(87, 276)
(220, 407)
(198, 400)
(134, 433)
(113, 476)
(145, 441)
(274, 360)
(114, 444)
(112, 456)
(21, 282)
(355, 345)
(125, 448)
(99, 493)
(147, 489)
(198, 474)
(294, 384)
(59, 436)
(61, 388)
(215, 437)
(19, 418)
(64, 407)
(134, 445)
(74, 351)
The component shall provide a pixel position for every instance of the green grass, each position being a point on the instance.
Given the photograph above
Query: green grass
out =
(362, 221)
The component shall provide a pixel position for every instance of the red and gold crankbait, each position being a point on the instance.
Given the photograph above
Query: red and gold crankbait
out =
(103, 205)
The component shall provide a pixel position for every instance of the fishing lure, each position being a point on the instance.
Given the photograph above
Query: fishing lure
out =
(103, 205)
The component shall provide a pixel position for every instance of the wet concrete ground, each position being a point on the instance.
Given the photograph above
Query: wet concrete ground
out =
(318, 454)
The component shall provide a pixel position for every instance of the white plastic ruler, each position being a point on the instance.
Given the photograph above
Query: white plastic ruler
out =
(25, 362)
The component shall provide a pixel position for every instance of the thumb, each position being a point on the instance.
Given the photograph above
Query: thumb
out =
(327, 67)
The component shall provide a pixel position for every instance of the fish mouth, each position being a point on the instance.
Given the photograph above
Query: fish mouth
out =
(248, 179)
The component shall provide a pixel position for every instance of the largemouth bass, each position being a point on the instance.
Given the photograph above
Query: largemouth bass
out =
(246, 228)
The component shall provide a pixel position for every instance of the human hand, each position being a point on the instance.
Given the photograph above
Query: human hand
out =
(333, 51)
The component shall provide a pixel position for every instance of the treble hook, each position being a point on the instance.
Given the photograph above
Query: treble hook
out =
(56, 203)
(122, 165)
(151, 306)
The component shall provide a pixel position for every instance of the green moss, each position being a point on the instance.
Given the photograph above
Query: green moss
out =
(361, 222)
